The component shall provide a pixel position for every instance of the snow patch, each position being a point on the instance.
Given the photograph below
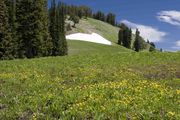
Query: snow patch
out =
(94, 37)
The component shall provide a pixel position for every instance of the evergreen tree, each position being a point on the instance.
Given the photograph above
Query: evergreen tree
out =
(120, 36)
(11, 4)
(148, 41)
(34, 40)
(57, 29)
(152, 44)
(99, 16)
(152, 47)
(53, 28)
(80, 13)
(25, 20)
(65, 8)
(125, 35)
(41, 28)
(88, 12)
(137, 43)
(75, 19)
(63, 42)
(5, 35)
(161, 50)
(129, 38)
(111, 19)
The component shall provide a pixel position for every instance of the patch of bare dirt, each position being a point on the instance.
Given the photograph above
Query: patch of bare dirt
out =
(26, 115)
(159, 71)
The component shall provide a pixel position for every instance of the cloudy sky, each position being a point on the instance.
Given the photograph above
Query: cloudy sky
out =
(157, 20)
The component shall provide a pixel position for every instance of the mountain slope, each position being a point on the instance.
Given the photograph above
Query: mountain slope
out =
(82, 47)
(91, 25)
(104, 29)
(100, 86)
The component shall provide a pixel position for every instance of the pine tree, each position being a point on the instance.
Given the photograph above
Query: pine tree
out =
(75, 19)
(161, 50)
(63, 42)
(129, 38)
(137, 43)
(99, 16)
(125, 35)
(11, 4)
(80, 13)
(5, 35)
(111, 19)
(25, 18)
(57, 29)
(53, 27)
(152, 47)
(148, 41)
(152, 44)
(34, 40)
(120, 36)
(41, 30)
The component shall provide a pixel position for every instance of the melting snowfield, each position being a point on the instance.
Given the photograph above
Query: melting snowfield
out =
(94, 37)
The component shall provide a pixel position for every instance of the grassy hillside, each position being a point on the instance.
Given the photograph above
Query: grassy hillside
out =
(91, 25)
(81, 47)
(91, 86)
(95, 82)
(104, 29)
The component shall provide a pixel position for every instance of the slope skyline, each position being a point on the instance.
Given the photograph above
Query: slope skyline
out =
(158, 21)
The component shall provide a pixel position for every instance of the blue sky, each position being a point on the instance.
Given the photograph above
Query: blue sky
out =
(158, 20)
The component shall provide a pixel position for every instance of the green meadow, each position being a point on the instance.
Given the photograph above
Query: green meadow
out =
(99, 85)
(60, 61)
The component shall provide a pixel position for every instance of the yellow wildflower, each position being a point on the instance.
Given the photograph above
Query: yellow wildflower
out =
(178, 92)
(171, 113)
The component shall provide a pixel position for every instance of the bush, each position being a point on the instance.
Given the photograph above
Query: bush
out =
(68, 27)
(75, 19)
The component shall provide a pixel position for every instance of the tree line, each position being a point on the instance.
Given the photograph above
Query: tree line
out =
(78, 12)
(109, 18)
(125, 33)
(28, 29)
(125, 39)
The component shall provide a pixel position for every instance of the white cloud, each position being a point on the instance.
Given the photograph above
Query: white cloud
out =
(147, 32)
(177, 45)
(172, 17)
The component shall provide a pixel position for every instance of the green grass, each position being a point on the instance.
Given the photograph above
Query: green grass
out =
(81, 47)
(104, 29)
(91, 25)
(96, 85)
(94, 81)
(108, 31)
